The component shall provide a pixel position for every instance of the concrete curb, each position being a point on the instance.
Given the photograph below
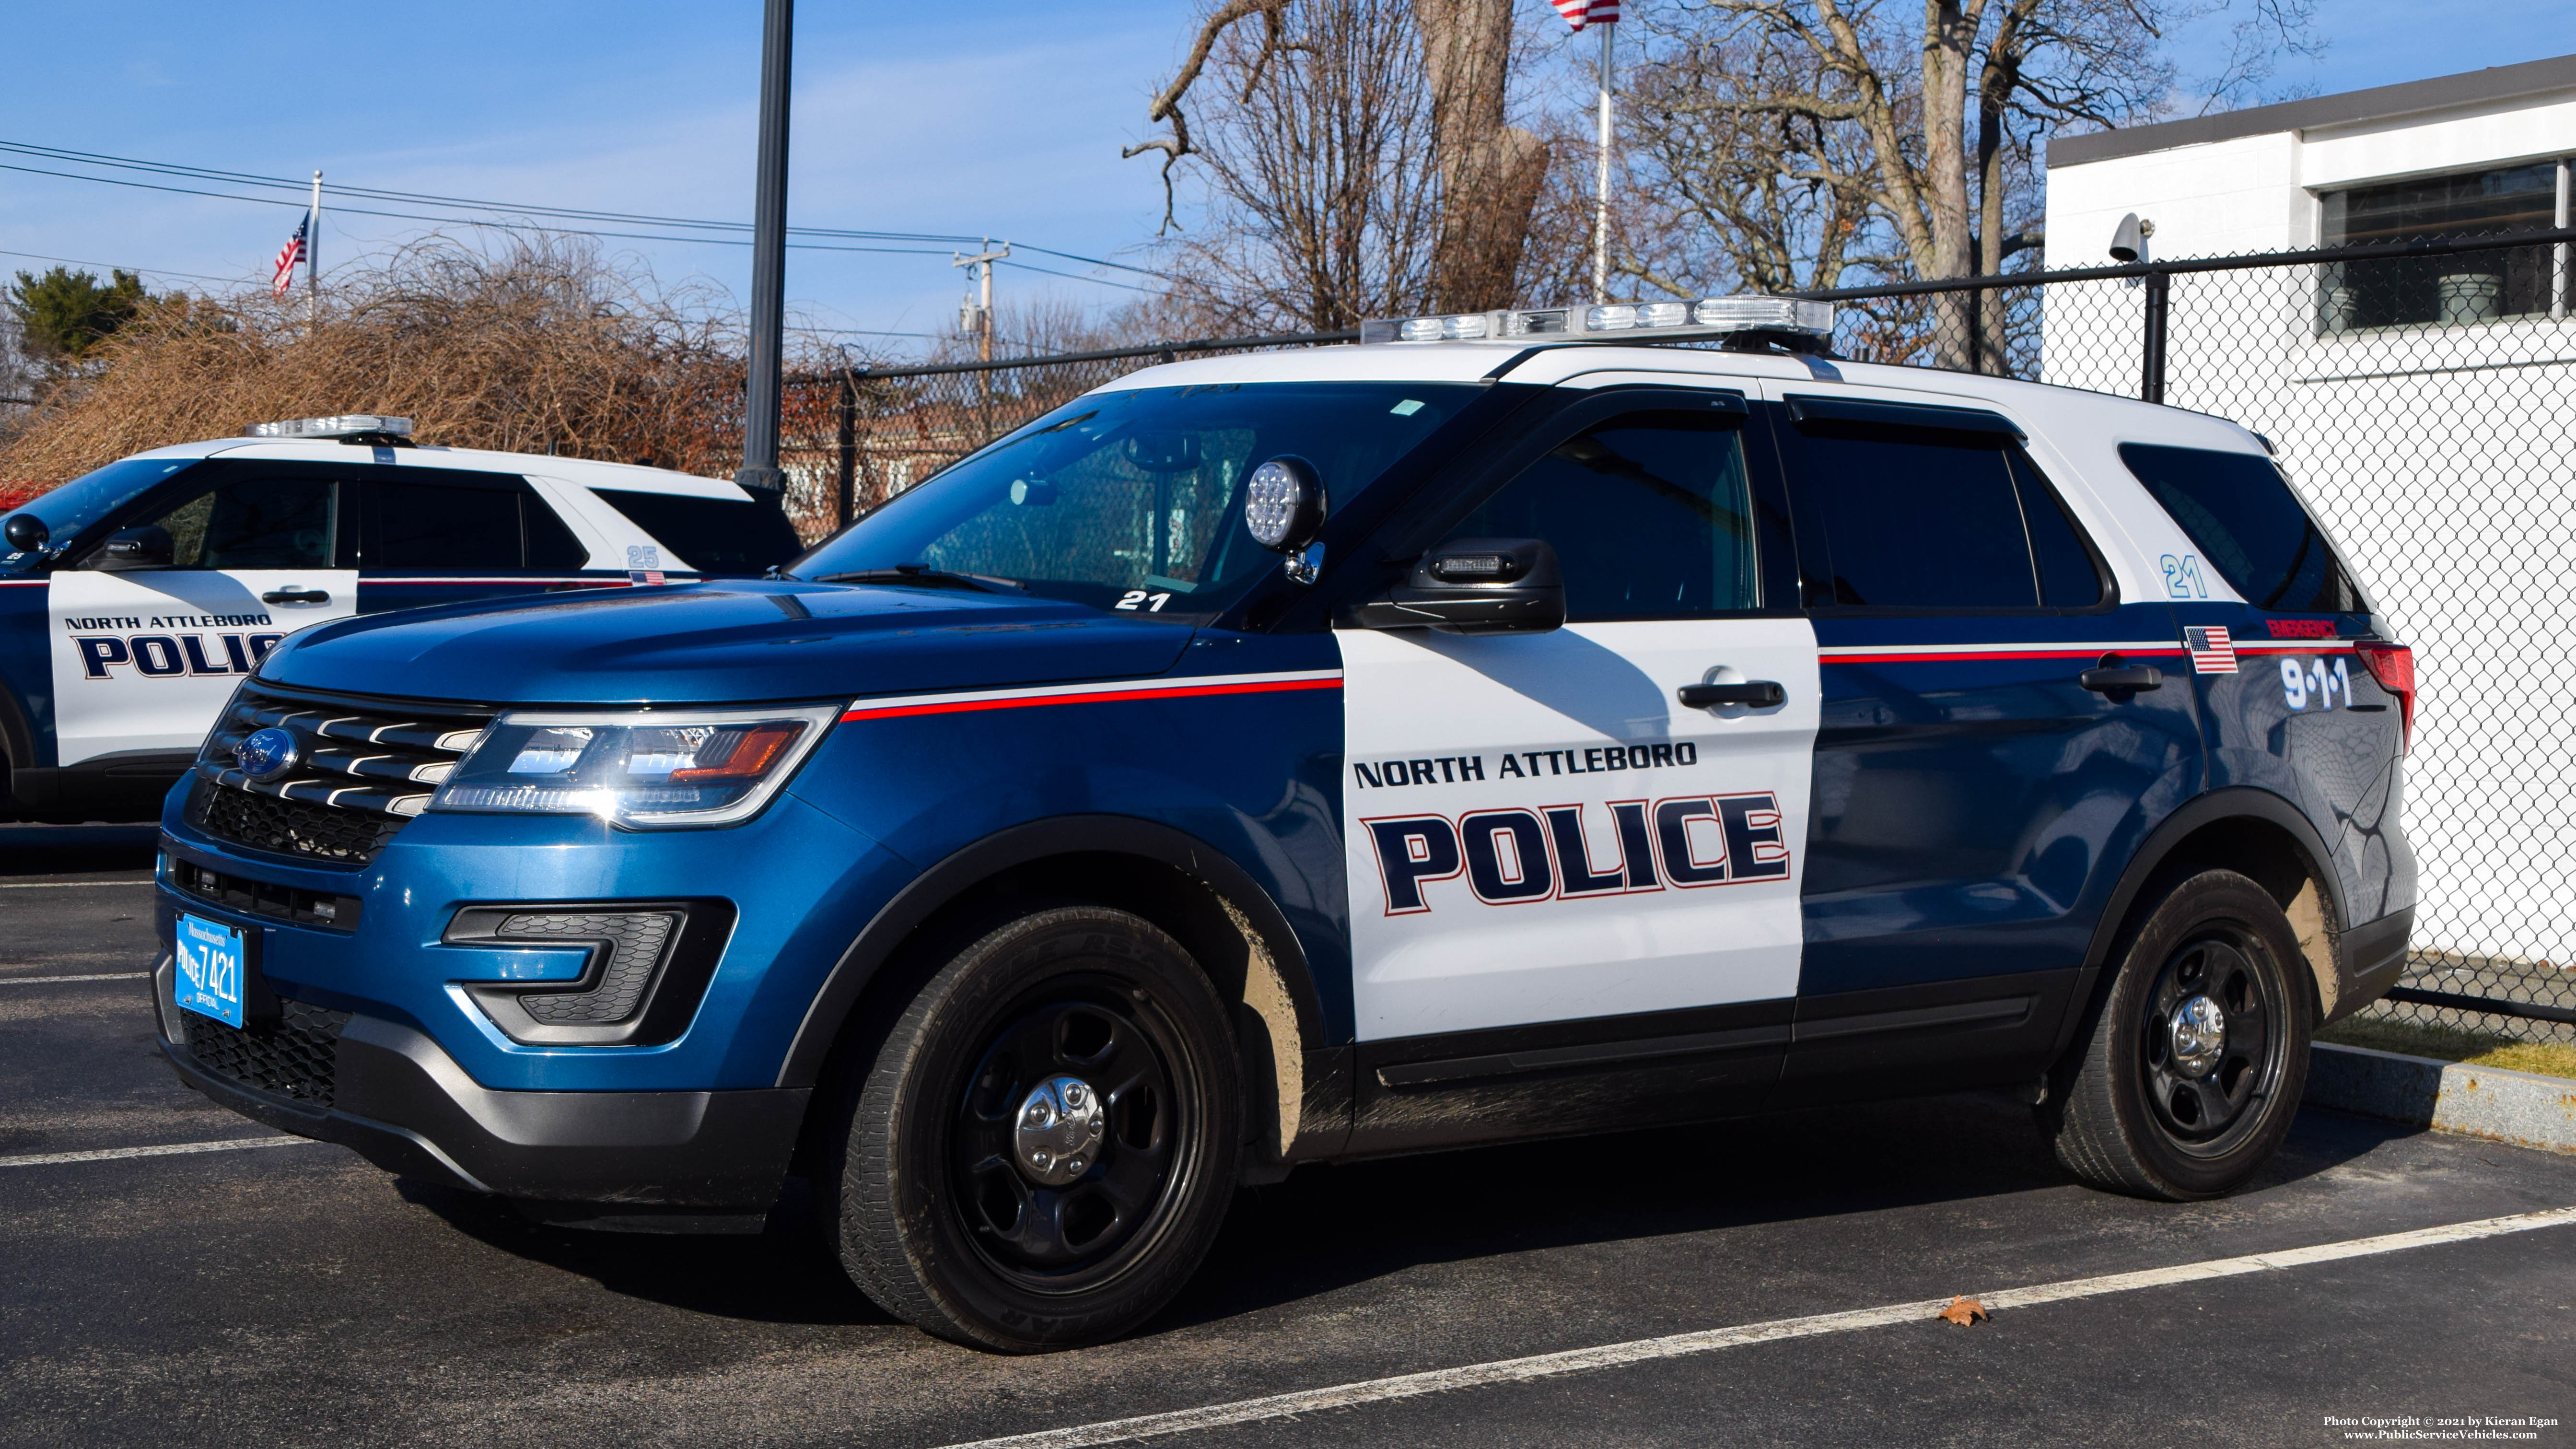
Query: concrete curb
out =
(2521, 1108)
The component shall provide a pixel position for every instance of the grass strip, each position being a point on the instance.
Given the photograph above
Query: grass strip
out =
(2450, 1044)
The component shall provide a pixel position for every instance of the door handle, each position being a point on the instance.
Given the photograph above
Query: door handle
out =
(295, 596)
(2112, 676)
(1759, 693)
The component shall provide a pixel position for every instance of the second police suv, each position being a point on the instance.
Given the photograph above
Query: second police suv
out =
(133, 599)
(1487, 731)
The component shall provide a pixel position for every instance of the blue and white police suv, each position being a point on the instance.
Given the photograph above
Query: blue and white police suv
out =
(132, 600)
(1492, 731)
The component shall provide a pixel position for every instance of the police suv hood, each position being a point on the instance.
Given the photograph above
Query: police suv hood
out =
(722, 644)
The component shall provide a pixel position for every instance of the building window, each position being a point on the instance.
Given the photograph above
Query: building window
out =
(2458, 290)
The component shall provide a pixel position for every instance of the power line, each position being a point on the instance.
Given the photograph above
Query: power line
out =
(200, 173)
(114, 267)
(465, 220)
(1070, 277)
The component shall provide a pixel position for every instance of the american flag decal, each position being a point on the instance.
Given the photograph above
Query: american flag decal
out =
(2212, 652)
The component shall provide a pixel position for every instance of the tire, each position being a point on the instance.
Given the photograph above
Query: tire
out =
(2160, 1107)
(1043, 1146)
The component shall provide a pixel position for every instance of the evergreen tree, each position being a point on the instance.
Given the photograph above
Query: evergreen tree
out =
(64, 315)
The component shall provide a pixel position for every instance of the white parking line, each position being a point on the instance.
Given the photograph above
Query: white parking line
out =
(55, 885)
(1614, 1355)
(56, 980)
(170, 1149)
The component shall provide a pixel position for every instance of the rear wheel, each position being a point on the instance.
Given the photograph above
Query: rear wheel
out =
(1044, 1146)
(2193, 1069)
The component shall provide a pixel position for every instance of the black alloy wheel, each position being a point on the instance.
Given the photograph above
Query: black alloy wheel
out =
(2189, 1073)
(1039, 1148)
(2206, 1043)
(1065, 1137)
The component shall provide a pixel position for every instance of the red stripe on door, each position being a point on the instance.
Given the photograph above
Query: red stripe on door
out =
(1106, 696)
(1983, 655)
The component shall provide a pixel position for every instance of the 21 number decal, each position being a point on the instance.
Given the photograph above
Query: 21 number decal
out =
(2182, 577)
(1138, 598)
(2314, 680)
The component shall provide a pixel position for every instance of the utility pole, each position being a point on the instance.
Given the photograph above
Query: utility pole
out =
(768, 259)
(977, 316)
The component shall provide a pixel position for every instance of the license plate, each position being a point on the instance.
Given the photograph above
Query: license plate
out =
(210, 959)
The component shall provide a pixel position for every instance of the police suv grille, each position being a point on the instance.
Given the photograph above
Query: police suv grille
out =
(363, 768)
(298, 1057)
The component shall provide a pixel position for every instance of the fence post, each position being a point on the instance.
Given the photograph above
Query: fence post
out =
(2151, 375)
(846, 485)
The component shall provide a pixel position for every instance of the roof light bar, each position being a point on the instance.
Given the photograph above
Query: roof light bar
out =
(1616, 321)
(343, 426)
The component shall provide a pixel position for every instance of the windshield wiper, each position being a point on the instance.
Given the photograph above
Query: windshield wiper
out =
(924, 576)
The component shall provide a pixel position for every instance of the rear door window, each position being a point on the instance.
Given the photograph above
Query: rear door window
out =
(462, 528)
(2069, 577)
(2249, 525)
(1895, 516)
(713, 535)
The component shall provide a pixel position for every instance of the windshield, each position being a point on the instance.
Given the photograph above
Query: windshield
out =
(92, 496)
(1133, 499)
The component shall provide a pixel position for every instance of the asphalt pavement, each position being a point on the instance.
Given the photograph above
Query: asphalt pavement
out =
(294, 1295)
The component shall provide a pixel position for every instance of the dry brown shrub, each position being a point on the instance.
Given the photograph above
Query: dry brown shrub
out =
(536, 344)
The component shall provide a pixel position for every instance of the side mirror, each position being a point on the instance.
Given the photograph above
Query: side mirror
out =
(26, 531)
(138, 548)
(1476, 586)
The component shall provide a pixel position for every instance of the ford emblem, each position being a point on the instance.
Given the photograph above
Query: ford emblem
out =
(266, 755)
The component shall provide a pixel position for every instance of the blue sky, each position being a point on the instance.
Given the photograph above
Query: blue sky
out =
(1001, 118)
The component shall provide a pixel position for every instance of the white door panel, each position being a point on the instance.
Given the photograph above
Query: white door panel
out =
(1537, 831)
(143, 660)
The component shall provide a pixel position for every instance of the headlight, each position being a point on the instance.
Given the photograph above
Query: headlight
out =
(644, 770)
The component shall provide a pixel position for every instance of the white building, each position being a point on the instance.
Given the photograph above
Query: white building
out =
(2426, 406)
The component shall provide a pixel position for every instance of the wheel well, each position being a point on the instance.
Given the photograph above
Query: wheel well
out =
(2250, 846)
(1270, 1026)
(2273, 857)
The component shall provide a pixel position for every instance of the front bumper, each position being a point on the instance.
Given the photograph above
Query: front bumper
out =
(668, 1160)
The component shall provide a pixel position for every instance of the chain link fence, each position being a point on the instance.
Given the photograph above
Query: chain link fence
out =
(2423, 398)
(2421, 395)
(856, 438)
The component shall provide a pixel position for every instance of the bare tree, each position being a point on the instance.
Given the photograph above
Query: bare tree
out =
(1822, 142)
(1490, 170)
(1362, 150)
(1325, 199)
(535, 344)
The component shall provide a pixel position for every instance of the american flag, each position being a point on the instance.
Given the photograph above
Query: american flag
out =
(287, 257)
(1579, 13)
(2212, 652)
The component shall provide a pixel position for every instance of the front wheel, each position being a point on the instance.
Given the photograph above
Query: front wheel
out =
(2194, 1066)
(1044, 1146)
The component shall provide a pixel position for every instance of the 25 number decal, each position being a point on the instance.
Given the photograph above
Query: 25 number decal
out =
(1139, 599)
(2307, 680)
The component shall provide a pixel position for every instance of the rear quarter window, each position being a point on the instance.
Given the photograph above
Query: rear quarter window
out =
(714, 535)
(2249, 525)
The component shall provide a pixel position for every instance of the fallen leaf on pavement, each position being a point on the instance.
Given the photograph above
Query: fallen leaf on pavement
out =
(1963, 1310)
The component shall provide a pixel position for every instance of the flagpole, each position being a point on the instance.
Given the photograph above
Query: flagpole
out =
(1601, 193)
(313, 260)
